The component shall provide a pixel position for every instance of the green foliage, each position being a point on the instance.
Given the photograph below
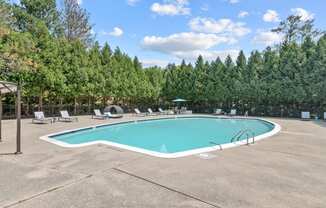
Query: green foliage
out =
(295, 29)
(64, 69)
(44, 10)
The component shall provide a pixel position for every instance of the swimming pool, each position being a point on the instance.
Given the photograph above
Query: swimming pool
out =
(169, 137)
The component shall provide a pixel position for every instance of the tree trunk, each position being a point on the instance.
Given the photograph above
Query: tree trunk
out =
(89, 104)
(51, 106)
(27, 107)
(75, 105)
(40, 101)
(60, 103)
(104, 100)
(93, 102)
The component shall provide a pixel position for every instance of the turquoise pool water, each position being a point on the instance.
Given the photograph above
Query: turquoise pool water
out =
(168, 135)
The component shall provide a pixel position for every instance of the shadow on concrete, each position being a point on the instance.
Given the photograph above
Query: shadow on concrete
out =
(5, 154)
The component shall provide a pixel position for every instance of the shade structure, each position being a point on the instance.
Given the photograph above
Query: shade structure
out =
(9, 87)
(179, 100)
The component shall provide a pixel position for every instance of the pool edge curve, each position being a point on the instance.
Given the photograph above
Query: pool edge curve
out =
(275, 130)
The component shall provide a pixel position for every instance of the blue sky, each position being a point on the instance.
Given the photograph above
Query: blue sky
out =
(162, 31)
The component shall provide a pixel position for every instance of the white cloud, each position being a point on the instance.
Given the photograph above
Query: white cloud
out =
(154, 62)
(183, 42)
(132, 2)
(221, 26)
(182, 2)
(171, 8)
(267, 38)
(233, 1)
(204, 7)
(304, 14)
(115, 32)
(271, 16)
(208, 55)
(189, 46)
(79, 2)
(243, 14)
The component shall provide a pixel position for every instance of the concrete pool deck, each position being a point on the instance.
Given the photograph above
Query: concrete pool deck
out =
(286, 170)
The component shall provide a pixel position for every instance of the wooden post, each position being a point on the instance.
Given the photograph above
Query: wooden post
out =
(18, 115)
(0, 117)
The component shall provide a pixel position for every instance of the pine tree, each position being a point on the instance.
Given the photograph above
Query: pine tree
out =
(46, 11)
(76, 22)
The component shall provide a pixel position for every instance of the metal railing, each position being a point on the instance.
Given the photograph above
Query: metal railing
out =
(216, 144)
(242, 132)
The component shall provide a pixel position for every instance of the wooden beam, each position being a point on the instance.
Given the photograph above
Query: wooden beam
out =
(5, 86)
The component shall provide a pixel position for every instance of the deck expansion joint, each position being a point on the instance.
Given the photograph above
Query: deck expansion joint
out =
(167, 188)
(47, 191)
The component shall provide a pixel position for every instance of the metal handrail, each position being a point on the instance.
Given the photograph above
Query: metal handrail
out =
(238, 135)
(220, 146)
(252, 134)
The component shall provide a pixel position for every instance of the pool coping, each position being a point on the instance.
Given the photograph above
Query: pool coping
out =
(275, 130)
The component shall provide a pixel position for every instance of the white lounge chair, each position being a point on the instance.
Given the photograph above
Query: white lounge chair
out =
(110, 115)
(162, 112)
(184, 110)
(150, 112)
(165, 112)
(40, 118)
(218, 111)
(99, 115)
(233, 112)
(66, 117)
(138, 113)
(305, 115)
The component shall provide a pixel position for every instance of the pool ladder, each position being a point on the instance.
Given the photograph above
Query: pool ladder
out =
(216, 144)
(246, 132)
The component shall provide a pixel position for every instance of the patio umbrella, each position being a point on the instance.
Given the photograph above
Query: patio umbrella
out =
(179, 100)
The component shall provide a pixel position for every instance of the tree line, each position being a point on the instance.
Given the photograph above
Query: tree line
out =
(52, 53)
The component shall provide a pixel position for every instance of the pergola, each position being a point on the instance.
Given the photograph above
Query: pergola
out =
(9, 87)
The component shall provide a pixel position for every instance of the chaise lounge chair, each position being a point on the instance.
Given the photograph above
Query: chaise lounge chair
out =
(40, 118)
(66, 117)
(165, 112)
(110, 115)
(99, 115)
(138, 113)
(305, 115)
(233, 112)
(162, 112)
(184, 110)
(150, 112)
(218, 111)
